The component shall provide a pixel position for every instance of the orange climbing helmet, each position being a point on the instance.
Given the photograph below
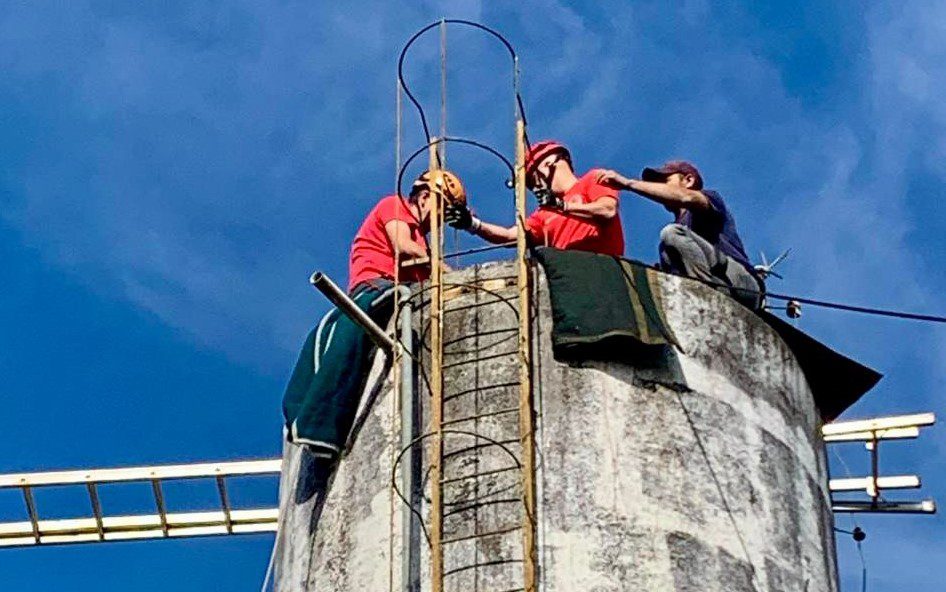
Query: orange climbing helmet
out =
(540, 150)
(443, 181)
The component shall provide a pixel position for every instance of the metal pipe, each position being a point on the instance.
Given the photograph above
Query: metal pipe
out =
(345, 304)
(410, 543)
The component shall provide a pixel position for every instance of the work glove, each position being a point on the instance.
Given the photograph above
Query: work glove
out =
(547, 199)
(457, 215)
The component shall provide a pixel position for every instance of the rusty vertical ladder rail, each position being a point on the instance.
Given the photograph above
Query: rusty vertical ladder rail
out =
(436, 374)
(526, 407)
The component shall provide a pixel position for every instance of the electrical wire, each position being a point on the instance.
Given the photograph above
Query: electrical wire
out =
(862, 309)
(855, 527)
(913, 316)
(860, 552)
(719, 488)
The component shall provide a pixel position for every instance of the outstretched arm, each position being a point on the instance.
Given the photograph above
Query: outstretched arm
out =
(459, 216)
(669, 195)
(493, 233)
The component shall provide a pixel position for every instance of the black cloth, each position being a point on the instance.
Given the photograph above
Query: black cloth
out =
(718, 227)
(836, 381)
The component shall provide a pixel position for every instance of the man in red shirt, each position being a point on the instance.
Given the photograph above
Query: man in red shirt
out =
(574, 212)
(395, 229)
(322, 397)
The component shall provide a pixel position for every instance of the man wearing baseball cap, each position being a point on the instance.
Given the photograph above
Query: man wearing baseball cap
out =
(702, 242)
(574, 212)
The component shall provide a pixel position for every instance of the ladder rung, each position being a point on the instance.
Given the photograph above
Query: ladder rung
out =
(482, 304)
(481, 359)
(481, 416)
(483, 505)
(96, 509)
(485, 496)
(476, 565)
(501, 443)
(481, 535)
(478, 334)
(477, 475)
(479, 389)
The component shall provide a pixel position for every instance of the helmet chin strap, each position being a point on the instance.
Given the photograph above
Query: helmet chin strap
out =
(544, 195)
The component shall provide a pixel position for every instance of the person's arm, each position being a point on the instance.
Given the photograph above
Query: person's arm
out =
(603, 208)
(493, 233)
(669, 195)
(459, 216)
(399, 233)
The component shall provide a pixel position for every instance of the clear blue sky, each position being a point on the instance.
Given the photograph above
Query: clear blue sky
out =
(171, 172)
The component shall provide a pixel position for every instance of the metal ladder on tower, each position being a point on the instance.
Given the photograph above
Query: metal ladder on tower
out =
(450, 502)
(457, 497)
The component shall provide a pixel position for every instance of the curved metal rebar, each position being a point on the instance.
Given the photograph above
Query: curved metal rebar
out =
(475, 25)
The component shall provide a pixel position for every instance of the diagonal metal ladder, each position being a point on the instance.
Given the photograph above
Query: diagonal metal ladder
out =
(100, 527)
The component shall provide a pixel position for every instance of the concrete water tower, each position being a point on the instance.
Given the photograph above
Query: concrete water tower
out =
(701, 470)
(482, 463)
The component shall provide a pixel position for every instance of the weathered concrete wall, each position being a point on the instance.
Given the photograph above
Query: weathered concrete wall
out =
(705, 472)
(702, 471)
(351, 547)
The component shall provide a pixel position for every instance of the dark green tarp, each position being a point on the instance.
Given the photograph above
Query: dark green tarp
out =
(602, 306)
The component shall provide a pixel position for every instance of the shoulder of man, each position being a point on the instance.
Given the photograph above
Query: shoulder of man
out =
(593, 189)
(716, 200)
(393, 207)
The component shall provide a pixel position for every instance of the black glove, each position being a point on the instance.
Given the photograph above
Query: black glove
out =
(548, 199)
(458, 216)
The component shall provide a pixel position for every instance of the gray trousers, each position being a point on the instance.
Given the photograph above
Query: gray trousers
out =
(683, 252)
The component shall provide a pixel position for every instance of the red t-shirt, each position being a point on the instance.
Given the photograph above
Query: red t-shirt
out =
(552, 228)
(372, 254)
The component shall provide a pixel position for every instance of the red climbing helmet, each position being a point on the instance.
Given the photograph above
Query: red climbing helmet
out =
(538, 151)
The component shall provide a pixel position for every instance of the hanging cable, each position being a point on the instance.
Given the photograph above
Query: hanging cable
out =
(457, 140)
(856, 532)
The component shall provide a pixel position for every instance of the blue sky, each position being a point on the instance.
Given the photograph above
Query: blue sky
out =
(170, 173)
